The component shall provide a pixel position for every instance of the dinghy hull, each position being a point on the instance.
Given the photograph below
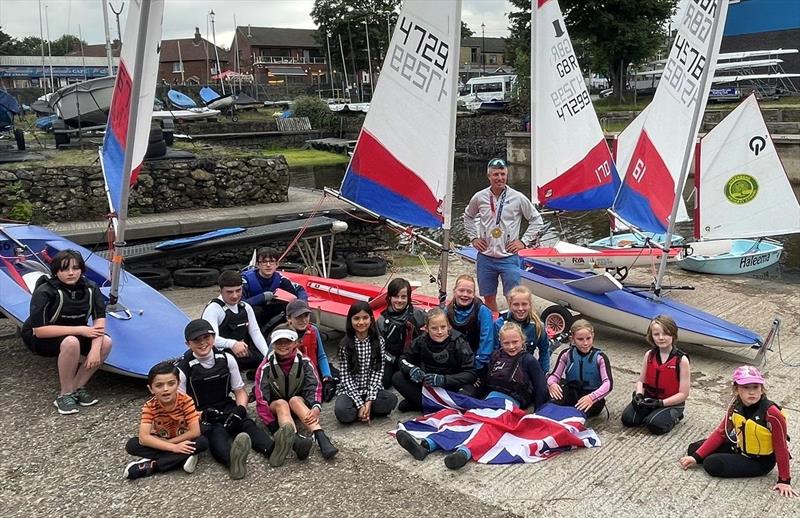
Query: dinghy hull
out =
(731, 256)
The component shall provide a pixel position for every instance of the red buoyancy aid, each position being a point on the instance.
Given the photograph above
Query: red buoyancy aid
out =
(662, 380)
(308, 346)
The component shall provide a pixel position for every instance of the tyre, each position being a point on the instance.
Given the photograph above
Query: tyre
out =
(366, 266)
(19, 137)
(291, 267)
(156, 278)
(169, 138)
(619, 273)
(62, 139)
(557, 319)
(156, 135)
(195, 277)
(338, 270)
(156, 149)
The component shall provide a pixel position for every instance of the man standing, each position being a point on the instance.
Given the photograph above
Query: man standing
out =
(492, 221)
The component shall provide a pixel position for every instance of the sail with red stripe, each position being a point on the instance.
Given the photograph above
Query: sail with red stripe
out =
(665, 143)
(402, 164)
(115, 142)
(572, 165)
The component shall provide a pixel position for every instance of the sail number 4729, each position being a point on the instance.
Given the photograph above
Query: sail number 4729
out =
(421, 57)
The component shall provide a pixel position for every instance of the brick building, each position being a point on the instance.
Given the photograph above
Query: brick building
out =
(196, 56)
(478, 54)
(278, 55)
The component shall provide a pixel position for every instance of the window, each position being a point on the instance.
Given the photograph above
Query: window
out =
(177, 67)
(492, 59)
(473, 55)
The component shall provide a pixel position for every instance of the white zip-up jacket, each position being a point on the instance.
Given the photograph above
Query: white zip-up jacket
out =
(480, 220)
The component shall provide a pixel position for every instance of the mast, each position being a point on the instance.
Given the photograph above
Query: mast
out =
(344, 67)
(122, 211)
(180, 60)
(534, 110)
(109, 56)
(720, 13)
(455, 44)
(41, 39)
(216, 52)
(49, 49)
(83, 57)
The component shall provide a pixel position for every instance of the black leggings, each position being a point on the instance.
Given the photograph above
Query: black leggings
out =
(571, 395)
(219, 440)
(165, 460)
(726, 462)
(658, 420)
(346, 410)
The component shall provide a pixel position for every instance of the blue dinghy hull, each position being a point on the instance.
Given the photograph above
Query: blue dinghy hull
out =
(625, 308)
(153, 333)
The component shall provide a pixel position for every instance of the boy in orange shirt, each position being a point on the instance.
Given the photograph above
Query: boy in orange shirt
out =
(169, 430)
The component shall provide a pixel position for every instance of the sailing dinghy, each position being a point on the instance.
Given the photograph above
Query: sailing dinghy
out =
(601, 297)
(743, 195)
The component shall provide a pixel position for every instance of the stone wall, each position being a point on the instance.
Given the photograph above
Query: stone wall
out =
(77, 192)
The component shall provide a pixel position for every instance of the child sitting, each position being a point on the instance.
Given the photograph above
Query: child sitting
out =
(523, 313)
(439, 358)
(750, 439)
(209, 375)
(286, 383)
(586, 373)
(169, 429)
(234, 323)
(513, 374)
(298, 315)
(399, 324)
(360, 394)
(664, 383)
(260, 285)
(469, 316)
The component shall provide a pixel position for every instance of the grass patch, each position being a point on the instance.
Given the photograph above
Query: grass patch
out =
(295, 157)
(58, 158)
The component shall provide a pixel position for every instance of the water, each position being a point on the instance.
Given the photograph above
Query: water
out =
(580, 228)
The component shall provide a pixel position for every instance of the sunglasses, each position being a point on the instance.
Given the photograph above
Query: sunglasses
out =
(497, 163)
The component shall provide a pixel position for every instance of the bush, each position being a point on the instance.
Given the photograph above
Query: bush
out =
(21, 211)
(316, 110)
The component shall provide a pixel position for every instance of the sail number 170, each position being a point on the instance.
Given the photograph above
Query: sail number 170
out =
(602, 171)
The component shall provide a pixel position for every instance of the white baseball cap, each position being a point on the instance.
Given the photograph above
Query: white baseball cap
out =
(288, 334)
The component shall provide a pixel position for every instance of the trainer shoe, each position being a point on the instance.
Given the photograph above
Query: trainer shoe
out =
(240, 449)
(66, 404)
(138, 469)
(457, 460)
(411, 445)
(191, 464)
(84, 397)
(302, 446)
(284, 441)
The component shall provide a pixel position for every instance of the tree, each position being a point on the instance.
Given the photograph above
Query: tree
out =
(614, 33)
(466, 32)
(66, 44)
(346, 18)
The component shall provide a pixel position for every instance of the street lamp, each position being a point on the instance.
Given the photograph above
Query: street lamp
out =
(483, 55)
(216, 50)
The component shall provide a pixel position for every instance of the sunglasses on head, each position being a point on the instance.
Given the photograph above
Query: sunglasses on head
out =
(497, 163)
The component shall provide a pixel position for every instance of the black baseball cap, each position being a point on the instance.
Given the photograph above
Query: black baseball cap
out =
(197, 328)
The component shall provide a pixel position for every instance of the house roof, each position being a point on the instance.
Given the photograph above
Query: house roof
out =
(494, 45)
(97, 50)
(189, 50)
(278, 37)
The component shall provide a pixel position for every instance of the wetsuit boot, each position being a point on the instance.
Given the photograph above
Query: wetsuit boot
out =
(302, 446)
(326, 448)
(418, 449)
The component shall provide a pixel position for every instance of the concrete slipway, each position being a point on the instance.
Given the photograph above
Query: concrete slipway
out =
(57, 466)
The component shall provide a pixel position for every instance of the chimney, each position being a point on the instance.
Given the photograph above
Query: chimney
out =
(197, 37)
(249, 35)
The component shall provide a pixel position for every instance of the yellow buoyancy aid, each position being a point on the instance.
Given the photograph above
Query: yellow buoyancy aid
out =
(754, 434)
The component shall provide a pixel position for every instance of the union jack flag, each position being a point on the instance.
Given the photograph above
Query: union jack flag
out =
(496, 431)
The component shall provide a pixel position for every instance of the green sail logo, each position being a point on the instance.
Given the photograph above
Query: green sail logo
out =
(741, 188)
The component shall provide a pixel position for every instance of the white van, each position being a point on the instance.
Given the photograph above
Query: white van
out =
(488, 88)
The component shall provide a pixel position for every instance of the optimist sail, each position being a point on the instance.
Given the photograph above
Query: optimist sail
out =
(402, 164)
(664, 145)
(742, 188)
(116, 144)
(572, 165)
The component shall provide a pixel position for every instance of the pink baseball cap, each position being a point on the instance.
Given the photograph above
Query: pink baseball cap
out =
(747, 374)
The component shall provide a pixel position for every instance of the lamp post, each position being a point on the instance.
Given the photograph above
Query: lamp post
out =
(483, 43)
(369, 60)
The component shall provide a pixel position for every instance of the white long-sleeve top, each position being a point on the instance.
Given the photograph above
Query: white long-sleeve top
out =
(479, 220)
(214, 314)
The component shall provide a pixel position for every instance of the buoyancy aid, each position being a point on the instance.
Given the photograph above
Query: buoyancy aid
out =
(235, 326)
(528, 328)
(753, 433)
(506, 375)
(582, 370)
(471, 327)
(308, 345)
(662, 380)
(441, 357)
(207, 387)
(285, 385)
(254, 282)
(73, 305)
(399, 329)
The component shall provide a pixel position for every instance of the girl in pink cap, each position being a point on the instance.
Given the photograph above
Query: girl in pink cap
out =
(751, 438)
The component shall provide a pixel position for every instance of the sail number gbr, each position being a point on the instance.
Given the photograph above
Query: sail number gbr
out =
(420, 57)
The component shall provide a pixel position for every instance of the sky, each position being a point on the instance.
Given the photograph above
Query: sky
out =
(20, 18)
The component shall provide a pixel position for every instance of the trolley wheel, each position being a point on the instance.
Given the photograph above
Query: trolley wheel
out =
(619, 273)
(557, 319)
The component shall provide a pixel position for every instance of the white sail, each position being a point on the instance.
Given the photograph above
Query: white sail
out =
(741, 184)
(572, 167)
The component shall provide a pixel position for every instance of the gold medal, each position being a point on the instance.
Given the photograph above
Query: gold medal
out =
(496, 232)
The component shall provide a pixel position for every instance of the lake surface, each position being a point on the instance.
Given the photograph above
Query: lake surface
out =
(581, 227)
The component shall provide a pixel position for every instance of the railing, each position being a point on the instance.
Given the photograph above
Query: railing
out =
(266, 60)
